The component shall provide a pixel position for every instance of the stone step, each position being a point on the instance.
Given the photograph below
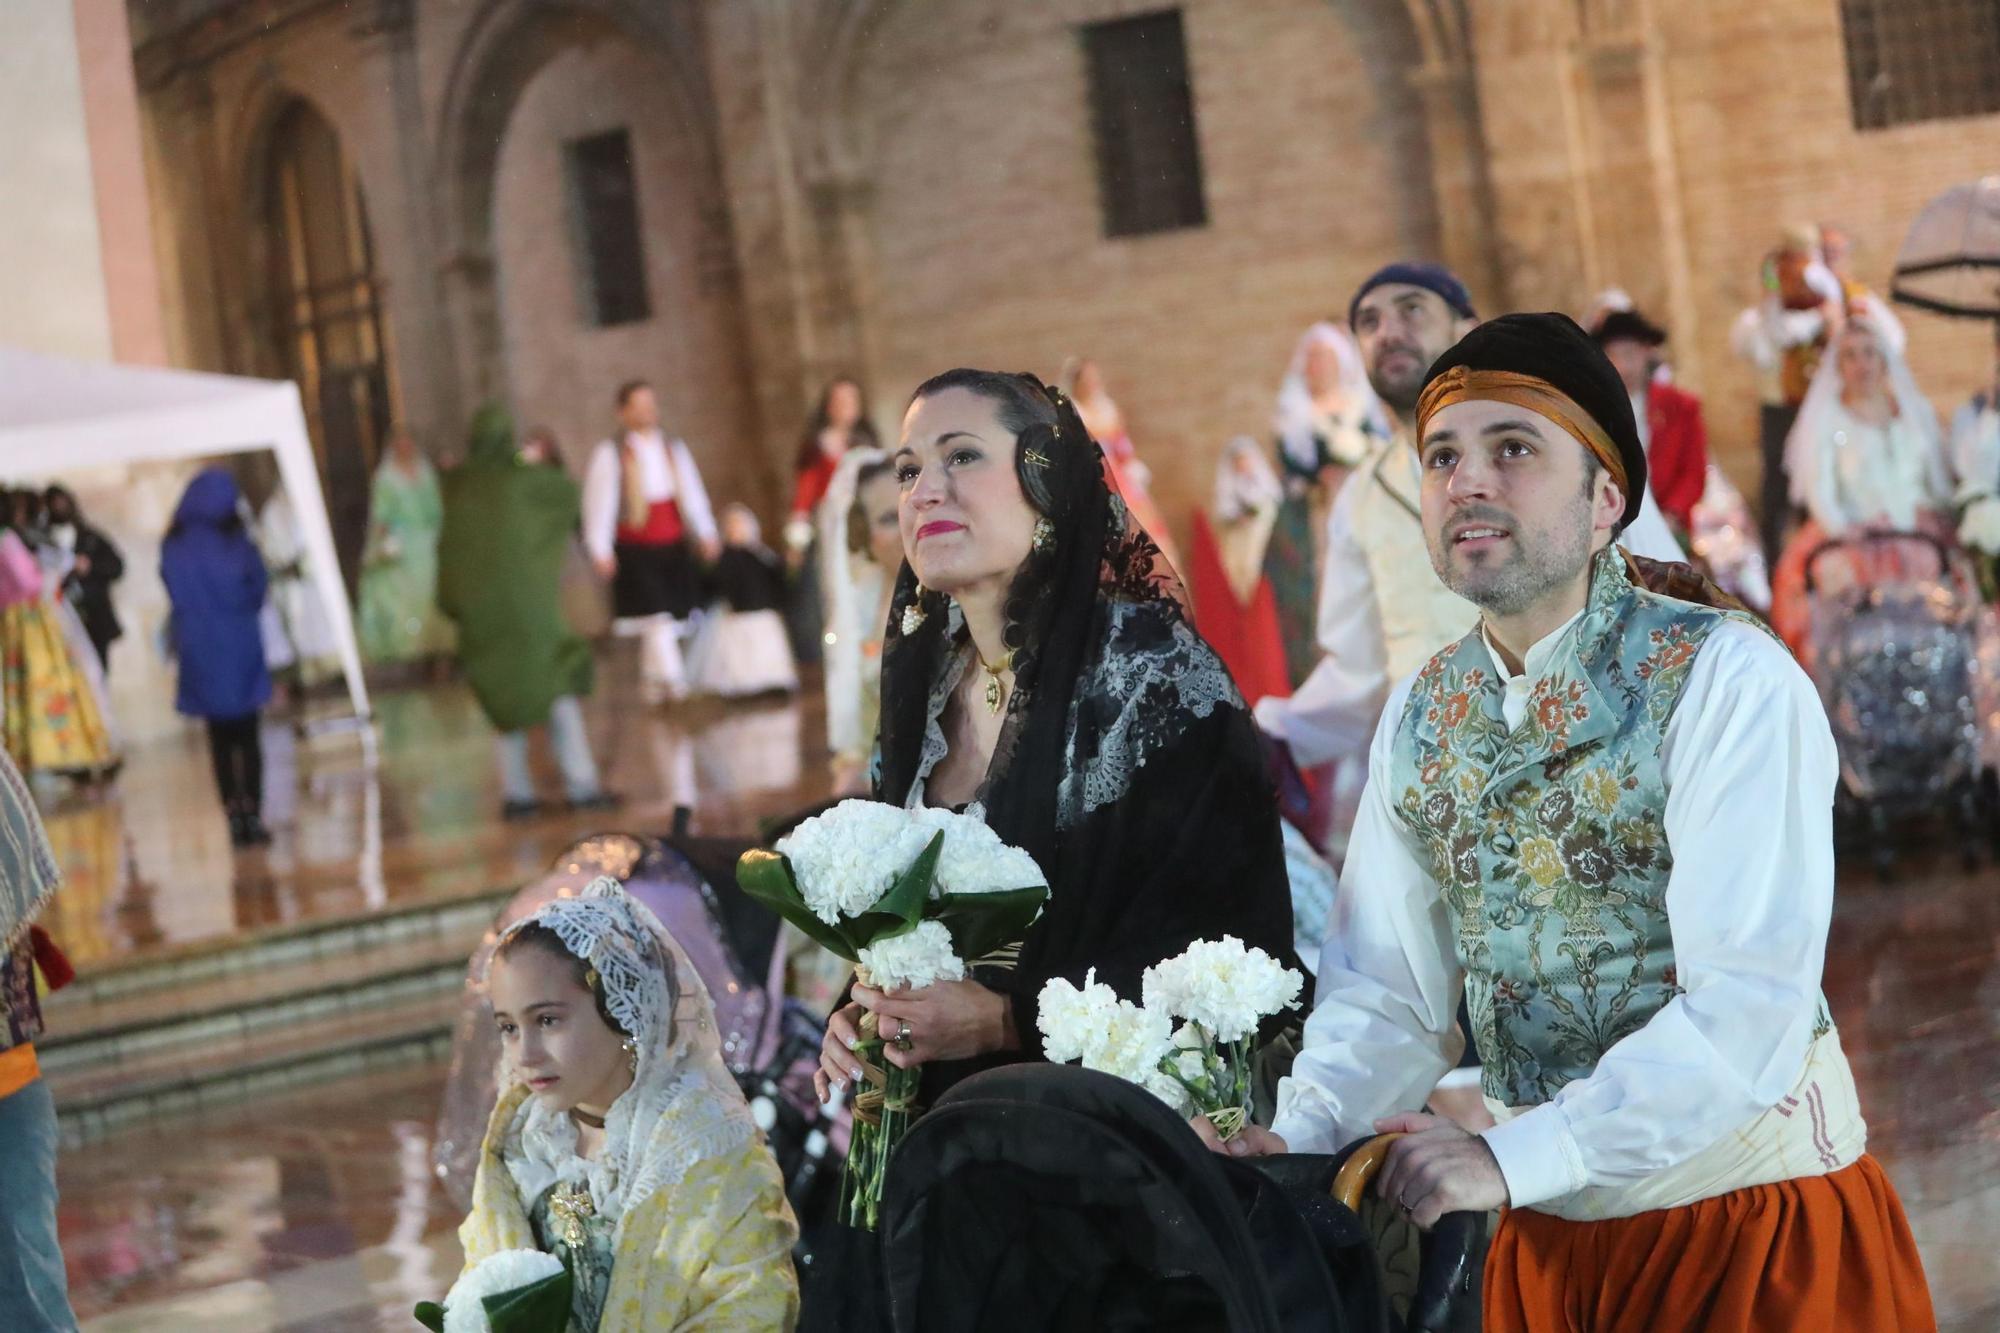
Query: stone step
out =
(262, 1013)
(170, 978)
(112, 1033)
(172, 1083)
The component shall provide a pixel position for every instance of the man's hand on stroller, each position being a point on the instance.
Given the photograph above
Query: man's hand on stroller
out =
(1438, 1168)
(1250, 1141)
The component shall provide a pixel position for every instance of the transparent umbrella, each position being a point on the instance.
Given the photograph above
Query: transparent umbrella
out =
(1950, 260)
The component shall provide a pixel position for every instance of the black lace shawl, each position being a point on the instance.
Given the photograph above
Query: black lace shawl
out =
(1127, 763)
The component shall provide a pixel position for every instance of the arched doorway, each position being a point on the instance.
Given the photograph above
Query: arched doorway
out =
(322, 313)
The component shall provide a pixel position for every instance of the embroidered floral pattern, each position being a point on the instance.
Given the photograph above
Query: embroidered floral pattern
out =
(1547, 842)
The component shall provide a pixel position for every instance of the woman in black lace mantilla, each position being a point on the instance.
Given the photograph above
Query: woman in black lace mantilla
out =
(1039, 670)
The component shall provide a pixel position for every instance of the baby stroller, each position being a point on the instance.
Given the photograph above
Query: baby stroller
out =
(1894, 652)
(770, 1044)
(1050, 1197)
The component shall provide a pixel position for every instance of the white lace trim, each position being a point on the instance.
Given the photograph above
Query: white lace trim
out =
(690, 1124)
(1159, 691)
(682, 1106)
(935, 746)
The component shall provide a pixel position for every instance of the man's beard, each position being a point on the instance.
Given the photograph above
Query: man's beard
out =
(1402, 389)
(1537, 564)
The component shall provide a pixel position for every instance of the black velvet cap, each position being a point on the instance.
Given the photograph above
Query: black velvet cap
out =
(1554, 348)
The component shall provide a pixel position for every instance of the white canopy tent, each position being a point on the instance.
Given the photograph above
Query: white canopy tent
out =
(60, 416)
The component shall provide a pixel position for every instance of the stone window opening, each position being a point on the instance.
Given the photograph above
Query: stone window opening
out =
(1910, 61)
(604, 214)
(1142, 114)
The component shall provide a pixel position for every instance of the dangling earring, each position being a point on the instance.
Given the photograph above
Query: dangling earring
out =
(631, 1049)
(1045, 533)
(913, 614)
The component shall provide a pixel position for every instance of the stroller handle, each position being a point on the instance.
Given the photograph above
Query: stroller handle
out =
(1878, 538)
(1360, 1170)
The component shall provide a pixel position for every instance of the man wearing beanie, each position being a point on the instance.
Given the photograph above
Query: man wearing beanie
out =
(1605, 815)
(1382, 611)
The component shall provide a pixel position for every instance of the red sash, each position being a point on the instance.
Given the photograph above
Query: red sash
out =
(663, 526)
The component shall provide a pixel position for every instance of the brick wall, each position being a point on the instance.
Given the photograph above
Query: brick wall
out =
(561, 371)
(985, 230)
(975, 234)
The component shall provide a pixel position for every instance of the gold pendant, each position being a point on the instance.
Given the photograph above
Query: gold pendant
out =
(993, 694)
(572, 1208)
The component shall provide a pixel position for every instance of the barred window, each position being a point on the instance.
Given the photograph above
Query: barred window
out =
(1917, 60)
(604, 208)
(1142, 111)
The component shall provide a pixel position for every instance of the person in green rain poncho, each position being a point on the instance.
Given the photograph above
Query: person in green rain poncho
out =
(508, 520)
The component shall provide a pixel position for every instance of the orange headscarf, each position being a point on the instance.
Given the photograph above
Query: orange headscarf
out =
(1526, 391)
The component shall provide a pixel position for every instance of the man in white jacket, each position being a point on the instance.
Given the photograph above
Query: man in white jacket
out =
(648, 526)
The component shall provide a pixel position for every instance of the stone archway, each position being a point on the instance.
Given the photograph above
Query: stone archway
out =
(505, 47)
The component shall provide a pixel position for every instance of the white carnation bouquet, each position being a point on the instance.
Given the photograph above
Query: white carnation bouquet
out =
(1979, 532)
(514, 1291)
(1221, 989)
(912, 898)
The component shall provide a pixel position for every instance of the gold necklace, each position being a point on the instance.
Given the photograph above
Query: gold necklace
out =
(995, 696)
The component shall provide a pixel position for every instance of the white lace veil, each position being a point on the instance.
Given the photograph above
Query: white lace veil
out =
(1245, 481)
(851, 586)
(682, 1107)
(1296, 419)
(1821, 413)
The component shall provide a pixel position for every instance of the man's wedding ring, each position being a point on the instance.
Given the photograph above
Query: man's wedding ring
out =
(903, 1035)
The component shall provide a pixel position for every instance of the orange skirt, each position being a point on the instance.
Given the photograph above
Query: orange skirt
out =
(1827, 1254)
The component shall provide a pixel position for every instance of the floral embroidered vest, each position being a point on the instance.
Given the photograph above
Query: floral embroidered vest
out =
(1549, 844)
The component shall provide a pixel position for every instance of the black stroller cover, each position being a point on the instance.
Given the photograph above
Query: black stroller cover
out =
(1050, 1197)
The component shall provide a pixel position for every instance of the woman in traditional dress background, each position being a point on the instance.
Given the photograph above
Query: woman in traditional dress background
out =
(1131, 478)
(741, 648)
(620, 1142)
(1234, 607)
(399, 620)
(1866, 455)
(57, 714)
(1327, 421)
(860, 549)
(839, 425)
(1039, 672)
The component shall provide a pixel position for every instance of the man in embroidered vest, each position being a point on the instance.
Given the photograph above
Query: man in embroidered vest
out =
(34, 1292)
(1606, 815)
(646, 518)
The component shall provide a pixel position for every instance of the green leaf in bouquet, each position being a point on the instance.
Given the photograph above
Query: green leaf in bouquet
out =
(539, 1307)
(903, 905)
(982, 922)
(431, 1315)
(767, 877)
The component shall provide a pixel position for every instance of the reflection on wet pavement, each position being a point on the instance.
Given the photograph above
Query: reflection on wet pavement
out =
(317, 1211)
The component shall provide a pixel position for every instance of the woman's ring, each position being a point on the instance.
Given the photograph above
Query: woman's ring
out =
(903, 1035)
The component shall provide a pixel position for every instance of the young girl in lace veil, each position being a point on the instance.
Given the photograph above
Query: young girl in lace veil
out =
(620, 1143)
